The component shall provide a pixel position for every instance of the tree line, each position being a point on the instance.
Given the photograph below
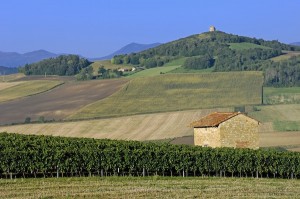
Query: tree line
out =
(62, 65)
(284, 73)
(46, 156)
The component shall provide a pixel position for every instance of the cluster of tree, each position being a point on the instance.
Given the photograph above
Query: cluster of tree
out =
(29, 155)
(108, 73)
(143, 60)
(85, 74)
(199, 62)
(284, 73)
(251, 59)
(62, 65)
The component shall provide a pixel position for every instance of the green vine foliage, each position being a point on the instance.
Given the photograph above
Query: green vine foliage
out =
(47, 156)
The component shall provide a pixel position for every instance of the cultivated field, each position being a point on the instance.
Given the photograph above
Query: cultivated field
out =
(138, 127)
(286, 95)
(23, 89)
(173, 92)
(286, 55)
(47, 77)
(56, 103)
(149, 187)
(5, 85)
(12, 77)
(162, 127)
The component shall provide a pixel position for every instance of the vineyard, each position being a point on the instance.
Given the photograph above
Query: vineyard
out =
(46, 156)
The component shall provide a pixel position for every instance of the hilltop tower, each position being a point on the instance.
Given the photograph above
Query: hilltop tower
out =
(212, 29)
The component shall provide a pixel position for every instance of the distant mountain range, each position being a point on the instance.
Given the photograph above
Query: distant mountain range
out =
(130, 48)
(296, 43)
(13, 59)
(6, 70)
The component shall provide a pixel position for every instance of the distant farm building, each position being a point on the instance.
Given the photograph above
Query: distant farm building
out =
(226, 129)
(212, 29)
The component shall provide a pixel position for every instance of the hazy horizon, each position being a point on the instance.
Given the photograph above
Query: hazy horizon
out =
(97, 28)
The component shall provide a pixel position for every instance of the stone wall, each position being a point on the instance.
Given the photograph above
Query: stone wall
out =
(239, 132)
(207, 137)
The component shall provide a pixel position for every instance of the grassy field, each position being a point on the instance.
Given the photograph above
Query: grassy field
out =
(176, 62)
(172, 92)
(153, 71)
(184, 70)
(286, 125)
(282, 112)
(149, 187)
(171, 66)
(287, 95)
(245, 46)
(26, 89)
(57, 103)
(285, 56)
(285, 117)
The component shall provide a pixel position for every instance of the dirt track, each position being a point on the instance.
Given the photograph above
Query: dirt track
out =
(59, 102)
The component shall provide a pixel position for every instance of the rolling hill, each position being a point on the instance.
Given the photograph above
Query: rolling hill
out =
(215, 45)
(130, 48)
(13, 59)
(157, 102)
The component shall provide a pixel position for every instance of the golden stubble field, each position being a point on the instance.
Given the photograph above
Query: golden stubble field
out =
(139, 127)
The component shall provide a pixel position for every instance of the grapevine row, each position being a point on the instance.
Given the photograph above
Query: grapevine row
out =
(32, 155)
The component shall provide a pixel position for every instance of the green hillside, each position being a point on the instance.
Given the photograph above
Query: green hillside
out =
(218, 51)
(213, 44)
(173, 92)
(246, 46)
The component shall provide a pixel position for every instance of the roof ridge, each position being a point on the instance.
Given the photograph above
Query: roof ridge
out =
(214, 119)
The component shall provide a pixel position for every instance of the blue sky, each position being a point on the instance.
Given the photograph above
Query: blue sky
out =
(95, 28)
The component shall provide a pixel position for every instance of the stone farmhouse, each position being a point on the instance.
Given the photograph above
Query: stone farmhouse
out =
(226, 129)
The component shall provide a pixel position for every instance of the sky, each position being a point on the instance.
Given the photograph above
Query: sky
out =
(95, 28)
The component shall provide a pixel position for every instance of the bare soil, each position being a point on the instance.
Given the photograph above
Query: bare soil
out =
(59, 102)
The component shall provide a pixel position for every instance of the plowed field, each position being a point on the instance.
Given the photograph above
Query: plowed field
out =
(58, 102)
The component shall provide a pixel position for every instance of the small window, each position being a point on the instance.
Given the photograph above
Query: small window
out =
(205, 145)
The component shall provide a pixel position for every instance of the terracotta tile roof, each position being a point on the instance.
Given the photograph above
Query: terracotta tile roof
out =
(214, 119)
